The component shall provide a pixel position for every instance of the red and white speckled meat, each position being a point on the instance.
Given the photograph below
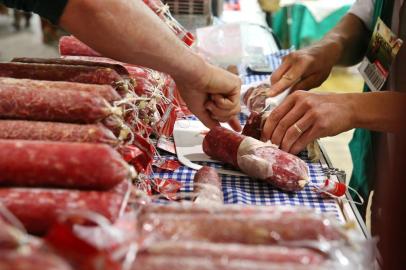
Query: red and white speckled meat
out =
(207, 186)
(53, 131)
(69, 45)
(255, 97)
(57, 164)
(260, 229)
(38, 209)
(31, 260)
(49, 105)
(55, 72)
(105, 91)
(121, 70)
(230, 252)
(257, 159)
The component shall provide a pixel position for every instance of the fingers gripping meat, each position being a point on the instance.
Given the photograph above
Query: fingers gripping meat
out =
(257, 159)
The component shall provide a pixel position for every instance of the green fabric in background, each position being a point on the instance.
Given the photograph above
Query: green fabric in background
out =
(303, 29)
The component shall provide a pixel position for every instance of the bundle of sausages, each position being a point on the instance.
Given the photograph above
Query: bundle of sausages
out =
(257, 159)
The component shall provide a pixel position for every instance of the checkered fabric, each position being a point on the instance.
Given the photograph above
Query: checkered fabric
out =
(243, 190)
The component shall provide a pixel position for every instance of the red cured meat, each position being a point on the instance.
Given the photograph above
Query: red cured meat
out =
(120, 69)
(253, 126)
(69, 45)
(257, 159)
(31, 260)
(53, 131)
(105, 91)
(38, 209)
(215, 251)
(57, 164)
(222, 144)
(261, 229)
(49, 105)
(55, 72)
(207, 186)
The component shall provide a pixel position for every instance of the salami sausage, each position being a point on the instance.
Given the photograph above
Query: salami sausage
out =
(105, 91)
(53, 131)
(57, 164)
(55, 72)
(31, 260)
(253, 126)
(260, 229)
(257, 159)
(207, 186)
(49, 105)
(39, 209)
(69, 45)
(121, 70)
(217, 251)
(255, 97)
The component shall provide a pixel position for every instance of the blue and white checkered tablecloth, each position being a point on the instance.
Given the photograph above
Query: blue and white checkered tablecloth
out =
(244, 190)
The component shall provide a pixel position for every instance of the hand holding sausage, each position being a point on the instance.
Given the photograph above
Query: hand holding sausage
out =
(214, 97)
(304, 117)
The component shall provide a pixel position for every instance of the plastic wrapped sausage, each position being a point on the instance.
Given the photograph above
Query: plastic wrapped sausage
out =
(260, 229)
(121, 70)
(105, 91)
(53, 131)
(60, 164)
(49, 105)
(55, 72)
(38, 209)
(216, 251)
(207, 186)
(69, 45)
(257, 159)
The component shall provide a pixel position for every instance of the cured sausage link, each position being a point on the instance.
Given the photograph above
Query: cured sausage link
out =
(55, 72)
(207, 186)
(257, 159)
(232, 251)
(69, 45)
(260, 229)
(53, 131)
(105, 91)
(57, 164)
(49, 105)
(39, 209)
(121, 70)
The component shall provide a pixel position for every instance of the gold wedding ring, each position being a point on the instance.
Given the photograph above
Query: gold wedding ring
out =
(298, 128)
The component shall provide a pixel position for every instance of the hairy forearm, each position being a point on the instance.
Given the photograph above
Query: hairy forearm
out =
(379, 111)
(347, 41)
(128, 31)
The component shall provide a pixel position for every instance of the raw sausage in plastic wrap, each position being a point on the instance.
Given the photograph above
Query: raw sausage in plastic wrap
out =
(55, 72)
(69, 45)
(207, 186)
(120, 69)
(60, 164)
(54, 131)
(105, 91)
(261, 229)
(257, 159)
(216, 251)
(49, 105)
(38, 209)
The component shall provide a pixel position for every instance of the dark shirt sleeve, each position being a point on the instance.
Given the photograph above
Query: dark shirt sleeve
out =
(49, 9)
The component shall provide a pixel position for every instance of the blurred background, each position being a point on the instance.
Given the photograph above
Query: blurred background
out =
(295, 24)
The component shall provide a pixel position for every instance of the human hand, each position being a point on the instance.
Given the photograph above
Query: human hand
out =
(214, 98)
(303, 69)
(305, 116)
